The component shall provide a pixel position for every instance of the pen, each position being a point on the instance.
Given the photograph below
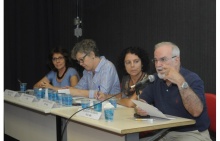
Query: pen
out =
(98, 90)
(99, 87)
(146, 119)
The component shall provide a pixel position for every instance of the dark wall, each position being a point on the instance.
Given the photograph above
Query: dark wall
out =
(33, 27)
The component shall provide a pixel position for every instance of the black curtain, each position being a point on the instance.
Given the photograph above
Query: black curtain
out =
(33, 27)
(189, 24)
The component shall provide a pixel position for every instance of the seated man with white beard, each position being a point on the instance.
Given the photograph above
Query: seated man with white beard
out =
(179, 92)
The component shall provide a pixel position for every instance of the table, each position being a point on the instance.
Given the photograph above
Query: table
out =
(27, 121)
(123, 128)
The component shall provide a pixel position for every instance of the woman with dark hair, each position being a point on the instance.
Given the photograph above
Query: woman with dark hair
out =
(61, 74)
(133, 63)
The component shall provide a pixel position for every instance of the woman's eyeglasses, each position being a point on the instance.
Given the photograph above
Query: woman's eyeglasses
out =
(57, 59)
(82, 59)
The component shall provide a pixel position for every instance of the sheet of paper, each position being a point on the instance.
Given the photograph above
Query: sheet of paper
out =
(151, 110)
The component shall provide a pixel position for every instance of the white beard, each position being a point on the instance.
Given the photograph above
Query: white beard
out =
(161, 76)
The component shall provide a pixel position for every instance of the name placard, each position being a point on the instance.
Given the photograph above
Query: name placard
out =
(66, 91)
(27, 98)
(89, 113)
(46, 103)
(11, 93)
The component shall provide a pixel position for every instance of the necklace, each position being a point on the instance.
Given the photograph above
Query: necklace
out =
(138, 78)
(131, 91)
(58, 77)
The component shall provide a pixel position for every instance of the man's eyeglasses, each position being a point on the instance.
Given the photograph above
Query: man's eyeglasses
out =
(57, 59)
(82, 59)
(162, 60)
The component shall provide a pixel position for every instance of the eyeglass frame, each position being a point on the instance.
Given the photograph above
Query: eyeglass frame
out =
(82, 59)
(162, 60)
(57, 59)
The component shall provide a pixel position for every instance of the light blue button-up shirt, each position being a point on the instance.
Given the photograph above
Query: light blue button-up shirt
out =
(105, 76)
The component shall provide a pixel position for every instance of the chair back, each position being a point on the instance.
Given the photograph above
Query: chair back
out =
(211, 107)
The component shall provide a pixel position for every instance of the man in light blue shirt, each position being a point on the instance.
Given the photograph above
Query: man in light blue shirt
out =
(99, 74)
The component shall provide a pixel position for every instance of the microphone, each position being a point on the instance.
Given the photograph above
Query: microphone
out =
(149, 78)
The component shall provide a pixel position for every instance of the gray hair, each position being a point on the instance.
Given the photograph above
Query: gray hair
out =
(85, 46)
(175, 48)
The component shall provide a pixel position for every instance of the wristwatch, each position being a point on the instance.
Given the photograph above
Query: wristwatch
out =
(185, 85)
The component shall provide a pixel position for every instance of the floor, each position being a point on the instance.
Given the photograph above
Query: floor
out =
(9, 138)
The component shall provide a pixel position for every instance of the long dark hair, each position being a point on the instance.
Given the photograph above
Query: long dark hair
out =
(140, 52)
